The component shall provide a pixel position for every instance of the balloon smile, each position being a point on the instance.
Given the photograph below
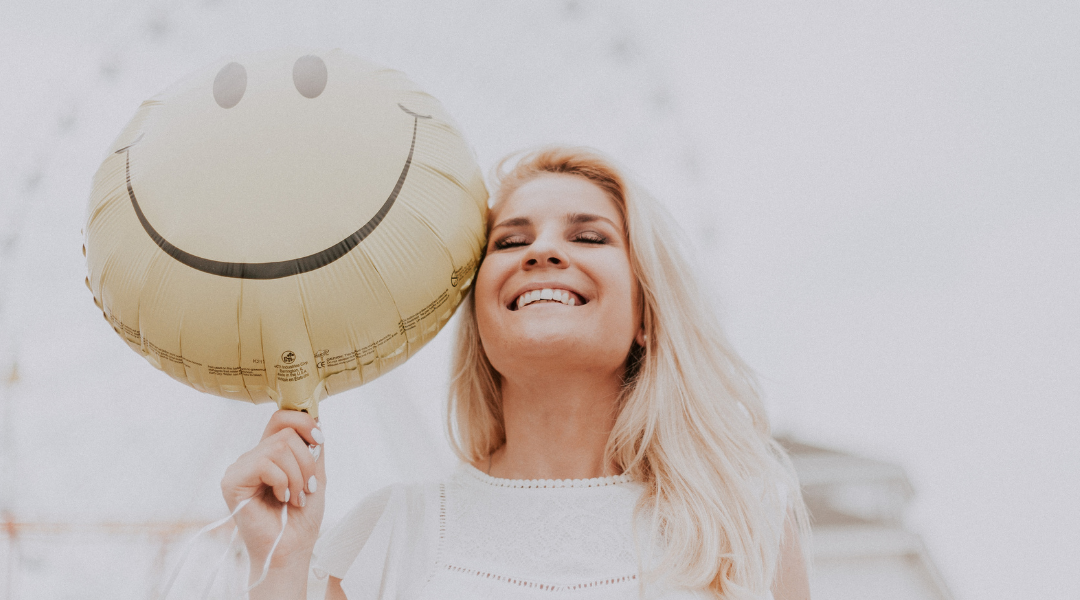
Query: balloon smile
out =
(279, 269)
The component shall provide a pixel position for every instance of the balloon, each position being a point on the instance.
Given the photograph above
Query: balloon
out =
(284, 226)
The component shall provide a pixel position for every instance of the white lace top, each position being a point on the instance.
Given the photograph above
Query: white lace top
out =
(478, 537)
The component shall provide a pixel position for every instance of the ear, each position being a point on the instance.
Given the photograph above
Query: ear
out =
(641, 338)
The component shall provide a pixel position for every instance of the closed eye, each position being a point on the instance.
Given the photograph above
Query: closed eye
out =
(590, 237)
(510, 241)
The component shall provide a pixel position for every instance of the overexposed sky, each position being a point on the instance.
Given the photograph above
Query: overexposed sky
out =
(884, 200)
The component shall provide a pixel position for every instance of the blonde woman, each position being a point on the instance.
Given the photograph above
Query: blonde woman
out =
(612, 445)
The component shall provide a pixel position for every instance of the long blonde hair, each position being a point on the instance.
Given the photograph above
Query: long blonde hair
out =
(691, 425)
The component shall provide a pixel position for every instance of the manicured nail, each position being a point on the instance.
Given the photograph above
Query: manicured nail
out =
(315, 451)
(312, 484)
(317, 435)
(303, 499)
(286, 495)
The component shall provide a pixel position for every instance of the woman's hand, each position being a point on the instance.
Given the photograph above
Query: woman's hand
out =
(282, 467)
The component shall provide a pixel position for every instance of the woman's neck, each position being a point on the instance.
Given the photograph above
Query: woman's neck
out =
(556, 427)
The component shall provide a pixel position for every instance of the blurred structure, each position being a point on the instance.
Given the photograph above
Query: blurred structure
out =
(860, 546)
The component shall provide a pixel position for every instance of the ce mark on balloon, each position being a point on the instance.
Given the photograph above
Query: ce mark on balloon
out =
(279, 269)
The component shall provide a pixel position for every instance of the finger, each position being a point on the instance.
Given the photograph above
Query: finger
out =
(319, 452)
(301, 422)
(247, 477)
(281, 453)
(306, 462)
(273, 476)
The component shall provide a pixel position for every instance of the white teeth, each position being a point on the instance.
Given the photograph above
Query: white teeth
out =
(561, 296)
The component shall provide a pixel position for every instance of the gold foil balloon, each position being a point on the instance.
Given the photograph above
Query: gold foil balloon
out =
(284, 226)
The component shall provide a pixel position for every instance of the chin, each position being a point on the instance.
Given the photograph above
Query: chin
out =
(564, 349)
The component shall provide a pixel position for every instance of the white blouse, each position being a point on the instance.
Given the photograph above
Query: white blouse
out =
(479, 537)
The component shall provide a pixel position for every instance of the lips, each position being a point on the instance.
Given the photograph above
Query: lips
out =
(547, 295)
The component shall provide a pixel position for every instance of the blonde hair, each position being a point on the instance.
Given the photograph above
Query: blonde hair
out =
(691, 424)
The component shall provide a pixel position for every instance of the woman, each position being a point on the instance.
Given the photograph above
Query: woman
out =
(612, 444)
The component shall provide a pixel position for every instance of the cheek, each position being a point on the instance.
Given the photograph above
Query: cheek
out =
(627, 318)
(626, 283)
(486, 293)
(487, 279)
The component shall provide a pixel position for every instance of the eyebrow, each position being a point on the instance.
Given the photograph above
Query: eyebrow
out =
(571, 219)
(515, 222)
(579, 218)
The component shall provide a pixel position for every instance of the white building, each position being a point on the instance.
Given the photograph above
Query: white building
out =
(861, 549)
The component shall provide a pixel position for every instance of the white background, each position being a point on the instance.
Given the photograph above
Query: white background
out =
(884, 198)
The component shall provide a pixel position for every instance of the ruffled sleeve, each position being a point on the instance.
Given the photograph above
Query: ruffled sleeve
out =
(382, 549)
(339, 546)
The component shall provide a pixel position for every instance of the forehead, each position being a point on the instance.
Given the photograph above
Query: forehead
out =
(555, 195)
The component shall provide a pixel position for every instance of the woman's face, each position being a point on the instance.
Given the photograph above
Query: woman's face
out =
(556, 290)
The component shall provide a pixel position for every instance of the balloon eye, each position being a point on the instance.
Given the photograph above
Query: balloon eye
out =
(309, 75)
(230, 84)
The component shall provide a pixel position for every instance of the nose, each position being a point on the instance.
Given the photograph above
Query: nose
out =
(544, 253)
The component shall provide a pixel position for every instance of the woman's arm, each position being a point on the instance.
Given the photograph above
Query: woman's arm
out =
(334, 591)
(792, 581)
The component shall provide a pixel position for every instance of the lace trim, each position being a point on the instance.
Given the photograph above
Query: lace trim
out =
(442, 529)
(547, 587)
(546, 483)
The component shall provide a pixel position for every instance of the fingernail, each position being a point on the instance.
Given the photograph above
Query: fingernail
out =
(315, 451)
(303, 499)
(286, 495)
(312, 484)
(317, 435)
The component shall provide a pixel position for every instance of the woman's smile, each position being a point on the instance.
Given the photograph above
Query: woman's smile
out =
(542, 295)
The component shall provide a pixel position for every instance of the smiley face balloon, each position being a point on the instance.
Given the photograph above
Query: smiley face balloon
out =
(284, 226)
